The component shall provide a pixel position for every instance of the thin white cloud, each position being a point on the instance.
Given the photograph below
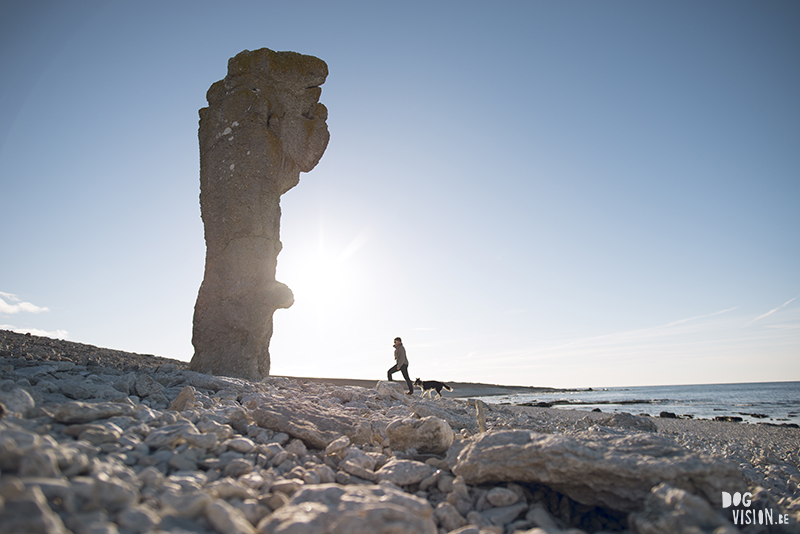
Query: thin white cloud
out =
(681, 321)
(708, 331)
(10, 304)
(57, 334)
(643, 334)
(786, 326)
(771, 311)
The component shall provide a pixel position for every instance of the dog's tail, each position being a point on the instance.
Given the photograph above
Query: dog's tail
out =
(445, 386)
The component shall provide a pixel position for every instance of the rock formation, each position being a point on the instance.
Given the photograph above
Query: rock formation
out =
(428, 435)
(613, 470)
(352, 510)
(262, 127)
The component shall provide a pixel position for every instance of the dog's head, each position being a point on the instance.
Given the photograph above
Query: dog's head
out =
(418, 382)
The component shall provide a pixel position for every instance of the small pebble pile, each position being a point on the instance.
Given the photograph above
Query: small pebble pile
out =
(95, 441)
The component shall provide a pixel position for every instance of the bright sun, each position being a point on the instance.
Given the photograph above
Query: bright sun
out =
(328, 281)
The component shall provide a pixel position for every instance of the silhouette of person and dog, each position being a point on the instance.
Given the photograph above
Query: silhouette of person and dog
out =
(401, 365)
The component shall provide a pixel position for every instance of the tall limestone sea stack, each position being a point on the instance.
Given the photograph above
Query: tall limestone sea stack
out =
(262, 127)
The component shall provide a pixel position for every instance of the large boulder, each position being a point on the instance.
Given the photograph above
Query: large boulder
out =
(77, 412)
(336, 509)
(394, 390)
(29, 512)
(17, 402)
(457, 419)
(429, 435)
(616, 471)
(404, 472)
(669, 510)
(311, 422)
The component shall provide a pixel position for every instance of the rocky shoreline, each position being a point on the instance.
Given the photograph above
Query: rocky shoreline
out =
(101, 441)
(461, 390)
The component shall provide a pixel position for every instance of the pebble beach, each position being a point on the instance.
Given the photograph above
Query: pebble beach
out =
(95, 440)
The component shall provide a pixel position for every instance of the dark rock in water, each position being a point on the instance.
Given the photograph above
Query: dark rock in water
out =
(728, 418)
(787, 425)
(597, 410)
(755, 415)
(668, 415)
(538, 404)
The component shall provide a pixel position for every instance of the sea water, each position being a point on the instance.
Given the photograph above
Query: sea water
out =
(766, 402)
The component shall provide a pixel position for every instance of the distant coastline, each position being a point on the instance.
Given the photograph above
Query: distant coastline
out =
(460, 389)
(776, 403)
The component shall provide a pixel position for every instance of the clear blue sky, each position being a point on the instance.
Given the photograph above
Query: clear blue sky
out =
(570, 193)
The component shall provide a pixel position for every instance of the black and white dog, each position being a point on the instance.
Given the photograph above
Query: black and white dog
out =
(429, 386)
